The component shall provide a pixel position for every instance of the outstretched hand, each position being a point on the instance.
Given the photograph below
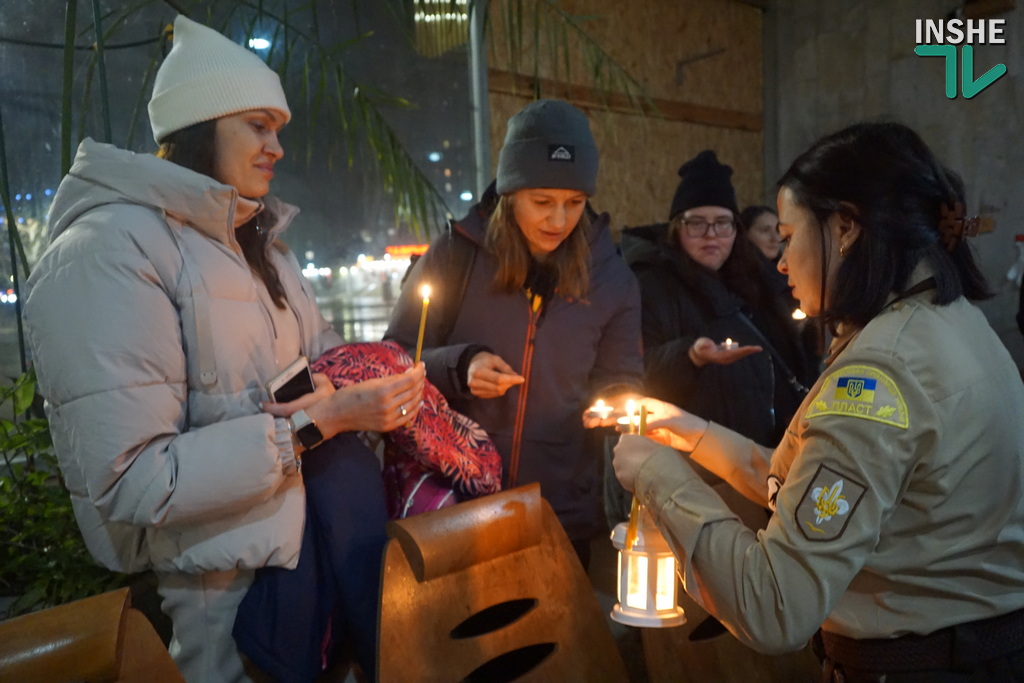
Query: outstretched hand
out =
(489, 376)
(667, 425)
(615, 407)
(705, 351)
(670, 425)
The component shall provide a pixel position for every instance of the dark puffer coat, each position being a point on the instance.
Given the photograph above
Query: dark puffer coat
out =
(570, 353)
(682, 301)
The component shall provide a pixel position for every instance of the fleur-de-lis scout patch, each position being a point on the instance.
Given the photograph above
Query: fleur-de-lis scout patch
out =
(827, 505)
(861, 391)
(774, 486)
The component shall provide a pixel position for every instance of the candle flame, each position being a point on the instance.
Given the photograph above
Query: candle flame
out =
(799, 315)
(425, 291)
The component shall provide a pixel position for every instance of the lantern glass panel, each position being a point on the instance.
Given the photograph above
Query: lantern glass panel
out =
(666, 595)
(636, 592)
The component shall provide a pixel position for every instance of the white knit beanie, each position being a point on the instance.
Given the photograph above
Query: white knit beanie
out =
(206, 76)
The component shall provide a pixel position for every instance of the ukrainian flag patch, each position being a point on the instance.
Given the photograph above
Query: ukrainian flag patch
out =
(849, 388)
(861, 391)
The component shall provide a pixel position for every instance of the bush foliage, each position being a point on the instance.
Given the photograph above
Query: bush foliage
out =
(43, 559)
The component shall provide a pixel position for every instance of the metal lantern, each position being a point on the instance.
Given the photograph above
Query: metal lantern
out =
(647, 577)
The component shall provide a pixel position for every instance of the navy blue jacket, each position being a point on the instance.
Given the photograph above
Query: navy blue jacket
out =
(570, 355)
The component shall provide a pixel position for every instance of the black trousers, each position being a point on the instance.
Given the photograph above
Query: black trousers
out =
(1005, 669)
(1008, 669)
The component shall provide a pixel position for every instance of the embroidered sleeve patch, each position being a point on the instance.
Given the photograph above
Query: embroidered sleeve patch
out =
(861, 391)
(827, 505)
(774, 484)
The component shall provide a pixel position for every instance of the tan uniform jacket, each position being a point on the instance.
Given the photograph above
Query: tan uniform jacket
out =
(897, 492)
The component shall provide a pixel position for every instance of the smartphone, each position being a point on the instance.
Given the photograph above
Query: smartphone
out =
(294, 381)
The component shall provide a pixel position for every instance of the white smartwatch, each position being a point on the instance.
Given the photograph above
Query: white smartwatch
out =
(305, 430)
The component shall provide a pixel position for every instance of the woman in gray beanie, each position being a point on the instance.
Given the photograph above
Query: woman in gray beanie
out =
(184, 305)
(549, 314)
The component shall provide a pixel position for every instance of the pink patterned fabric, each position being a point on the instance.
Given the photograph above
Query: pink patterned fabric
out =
(440, 449)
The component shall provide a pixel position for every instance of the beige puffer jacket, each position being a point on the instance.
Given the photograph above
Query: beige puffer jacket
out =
(153, 349)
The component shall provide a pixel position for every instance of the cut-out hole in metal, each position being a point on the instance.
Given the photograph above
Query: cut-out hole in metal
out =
(709, 628)
(511, 665)
(493, 618)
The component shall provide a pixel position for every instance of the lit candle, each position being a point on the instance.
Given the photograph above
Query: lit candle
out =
(799, 315)
(601, 409)
(425, 291)
(729, 344)
(630, 410)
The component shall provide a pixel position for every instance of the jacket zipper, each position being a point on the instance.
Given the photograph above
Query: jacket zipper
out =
(524, 391)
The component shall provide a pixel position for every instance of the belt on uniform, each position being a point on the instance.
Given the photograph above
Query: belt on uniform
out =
(954, 647)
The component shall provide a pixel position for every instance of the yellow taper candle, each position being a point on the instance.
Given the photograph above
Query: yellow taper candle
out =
(425, 291)
(634, 510)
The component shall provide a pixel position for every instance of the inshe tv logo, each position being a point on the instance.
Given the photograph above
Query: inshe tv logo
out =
(947, 34)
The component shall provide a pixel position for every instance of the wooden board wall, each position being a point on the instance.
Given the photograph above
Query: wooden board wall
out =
(701, 63)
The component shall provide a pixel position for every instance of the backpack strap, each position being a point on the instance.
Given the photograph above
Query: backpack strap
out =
(791, 379)
(454, 262)
(460, 253)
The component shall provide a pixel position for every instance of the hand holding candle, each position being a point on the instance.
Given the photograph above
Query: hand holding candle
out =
(600, 409)
(425, 292)
(705, 351)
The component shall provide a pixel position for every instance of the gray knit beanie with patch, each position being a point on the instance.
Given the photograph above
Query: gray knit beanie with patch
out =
(549, 145)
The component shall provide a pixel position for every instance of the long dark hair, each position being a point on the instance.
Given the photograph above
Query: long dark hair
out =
(884, 177)
(193, 148)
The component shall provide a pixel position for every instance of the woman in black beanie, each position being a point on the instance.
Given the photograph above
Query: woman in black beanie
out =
(702, 284)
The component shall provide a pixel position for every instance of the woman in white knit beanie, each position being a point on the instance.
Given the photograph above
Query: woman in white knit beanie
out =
(157, 316)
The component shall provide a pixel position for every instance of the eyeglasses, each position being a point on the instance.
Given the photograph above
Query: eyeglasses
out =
(698, 227)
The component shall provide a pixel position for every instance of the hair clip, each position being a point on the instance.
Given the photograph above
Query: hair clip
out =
(954, 227)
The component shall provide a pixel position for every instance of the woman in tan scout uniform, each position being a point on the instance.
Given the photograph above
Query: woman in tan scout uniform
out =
(898, 524)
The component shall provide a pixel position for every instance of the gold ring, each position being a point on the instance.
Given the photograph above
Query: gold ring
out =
(404, 411)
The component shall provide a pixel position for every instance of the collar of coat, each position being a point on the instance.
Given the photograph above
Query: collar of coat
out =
(105, 174)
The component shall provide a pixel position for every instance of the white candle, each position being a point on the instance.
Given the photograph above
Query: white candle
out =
(601, 409)
(630, 410)
(729, 344)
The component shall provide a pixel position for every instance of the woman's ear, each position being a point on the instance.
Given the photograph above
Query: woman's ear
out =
(845, 226)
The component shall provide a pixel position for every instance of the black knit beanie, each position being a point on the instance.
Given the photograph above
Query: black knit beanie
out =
(705, 182)
(548, 144)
